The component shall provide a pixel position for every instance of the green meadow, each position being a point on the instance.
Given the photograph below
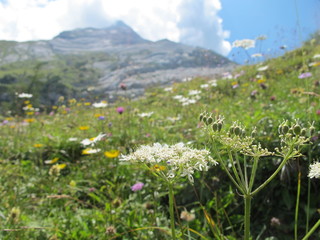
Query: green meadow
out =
(69, 171)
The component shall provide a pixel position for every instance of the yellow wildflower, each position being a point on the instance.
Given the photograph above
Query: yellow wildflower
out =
(55, 169)
(314, 64)
(72, 101)
(112, 153)
(90, 151)
(87, 103)
(159, 168)
(52, 161)
(38, 145)
(72, 183)
(29, 120)
(83, 128)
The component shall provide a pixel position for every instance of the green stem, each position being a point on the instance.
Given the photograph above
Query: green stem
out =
(297, 208)
(253, 172)
(247, 214)
(315, 226)
(244, 182)
(284, 161)
(246, 172)
(309, 190)
(171, 210)
(227, 171)
(235, 172)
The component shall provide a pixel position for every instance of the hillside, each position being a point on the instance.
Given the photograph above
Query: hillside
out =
(99, 59)
(63, 173)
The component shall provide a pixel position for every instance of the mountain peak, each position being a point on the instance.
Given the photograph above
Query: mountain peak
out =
(119, 29)
(88, 39)
(120, 23)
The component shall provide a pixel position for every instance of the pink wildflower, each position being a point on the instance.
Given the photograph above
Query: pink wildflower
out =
(138, 186)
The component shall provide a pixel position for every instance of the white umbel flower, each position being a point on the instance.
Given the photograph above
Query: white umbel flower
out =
(263, 68)
(146, 114)
(171, 161)
(100, 105)
(25, 95)
(245, 43)
(314, 170)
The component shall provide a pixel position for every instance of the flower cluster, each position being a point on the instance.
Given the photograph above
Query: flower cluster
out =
(314, 171)
(293, 136)
(245, 43)
(170, 162)
(24, 95)
(185, 101)
(101, 104)
(92, 141)
(145, 114)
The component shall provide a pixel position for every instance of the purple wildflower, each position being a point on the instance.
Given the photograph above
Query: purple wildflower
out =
(138, 186)
(101, 117)
(120, 110)
(305, 75)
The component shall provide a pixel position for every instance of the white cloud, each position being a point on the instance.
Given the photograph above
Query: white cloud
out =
(194, 22)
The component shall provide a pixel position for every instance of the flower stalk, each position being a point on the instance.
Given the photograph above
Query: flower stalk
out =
(239, 149)
(247, 215)
(171, 211)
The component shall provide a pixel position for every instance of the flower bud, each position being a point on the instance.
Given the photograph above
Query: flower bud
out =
(285, 129)
(204, 119)
(220, 123)
(303, 132)
(312, 130)
(200, 117)
(297, 129)
(215, 126)
(237, 131)
(209, 120)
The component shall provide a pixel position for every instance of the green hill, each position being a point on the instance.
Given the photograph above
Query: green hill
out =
(62, 179)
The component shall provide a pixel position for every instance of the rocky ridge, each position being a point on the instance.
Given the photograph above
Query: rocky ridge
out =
(117, 55)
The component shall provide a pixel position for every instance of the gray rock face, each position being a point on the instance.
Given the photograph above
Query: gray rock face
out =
(122, 57)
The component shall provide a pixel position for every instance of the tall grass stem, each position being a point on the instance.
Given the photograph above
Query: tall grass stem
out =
(171, 211)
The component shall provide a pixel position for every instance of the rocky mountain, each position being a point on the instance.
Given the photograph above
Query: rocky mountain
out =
(100, 59)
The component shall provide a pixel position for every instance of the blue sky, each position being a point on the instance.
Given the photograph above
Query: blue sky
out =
(284, 22)
(212, 24)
